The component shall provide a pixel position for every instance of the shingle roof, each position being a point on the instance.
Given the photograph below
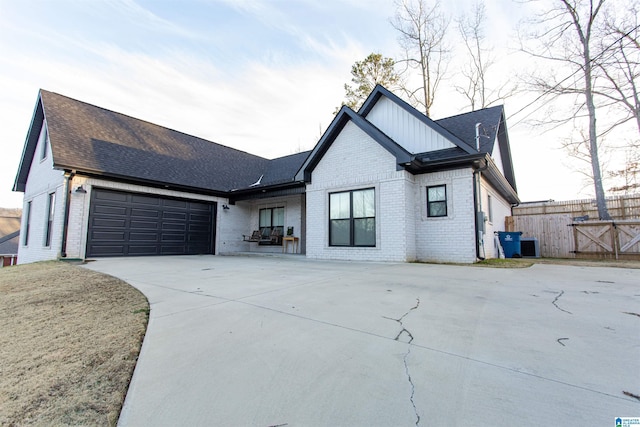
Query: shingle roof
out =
(9, 243)
(464, 127)
(96, 140)
(447, 153)
(283, 169)
(9, 232)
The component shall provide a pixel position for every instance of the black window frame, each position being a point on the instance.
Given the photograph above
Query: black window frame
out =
(27, 224)
(51, 205)
(439, 202)
(352, 220)
(266, 230)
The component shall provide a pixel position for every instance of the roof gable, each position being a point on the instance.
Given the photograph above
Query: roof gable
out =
(344, 116)
(410, 128)
(29, 148)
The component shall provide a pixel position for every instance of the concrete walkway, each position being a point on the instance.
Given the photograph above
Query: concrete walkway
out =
(269, 341)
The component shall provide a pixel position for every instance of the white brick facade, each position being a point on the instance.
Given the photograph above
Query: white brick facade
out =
(42, 181)
(450, 238)
(355, 161)
(500, 209)
(404, 232)
(293, 208)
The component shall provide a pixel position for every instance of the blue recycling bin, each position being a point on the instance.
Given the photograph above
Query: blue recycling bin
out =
(510, 242)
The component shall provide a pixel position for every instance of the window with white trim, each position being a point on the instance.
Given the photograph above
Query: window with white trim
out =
(352, 218)
(437, 201)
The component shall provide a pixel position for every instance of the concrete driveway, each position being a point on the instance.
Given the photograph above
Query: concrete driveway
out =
(267, 341)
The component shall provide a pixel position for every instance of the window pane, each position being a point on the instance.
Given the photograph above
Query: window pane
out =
(28, 224)
(278, 217)
(265, 218)
(339, 205)
(364, 232)
(437, 194)
(438, 209)
(339, 232)
(364, 204)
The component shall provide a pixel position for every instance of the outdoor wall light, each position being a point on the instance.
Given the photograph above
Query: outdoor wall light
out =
(80, 189)
(225, 207)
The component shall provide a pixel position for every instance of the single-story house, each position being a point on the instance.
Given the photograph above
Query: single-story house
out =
(385, 183)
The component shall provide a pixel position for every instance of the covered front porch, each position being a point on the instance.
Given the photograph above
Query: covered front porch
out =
(269, 225)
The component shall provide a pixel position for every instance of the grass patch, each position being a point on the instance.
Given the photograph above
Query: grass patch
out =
(69, 342)
(505, 263)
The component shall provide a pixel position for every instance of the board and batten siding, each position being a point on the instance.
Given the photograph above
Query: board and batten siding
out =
(401, 126)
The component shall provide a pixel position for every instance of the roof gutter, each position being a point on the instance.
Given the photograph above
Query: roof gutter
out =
(148, 183)
(246, 193)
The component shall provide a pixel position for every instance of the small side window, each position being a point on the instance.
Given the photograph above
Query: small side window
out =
(437, 201)
(27, 224)
(44, 144)
(490, 207)
(49, 224)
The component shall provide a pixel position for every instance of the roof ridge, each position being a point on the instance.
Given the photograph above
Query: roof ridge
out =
(9, 236)
(469, 112)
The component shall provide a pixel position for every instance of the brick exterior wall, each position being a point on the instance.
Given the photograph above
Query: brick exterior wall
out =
(404, 232)
(500, 210)
(354, 161)
(450, 238)
(292, 218)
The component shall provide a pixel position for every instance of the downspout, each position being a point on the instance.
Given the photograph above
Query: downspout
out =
(477, 206)
(68, 176)
(477, 201)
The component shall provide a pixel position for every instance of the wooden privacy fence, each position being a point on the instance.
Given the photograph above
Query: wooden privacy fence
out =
(607, 239)
(561, 235)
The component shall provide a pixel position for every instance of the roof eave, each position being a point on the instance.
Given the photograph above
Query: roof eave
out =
(29, 148)
(145, 182)
(264, 191)
(498, 180)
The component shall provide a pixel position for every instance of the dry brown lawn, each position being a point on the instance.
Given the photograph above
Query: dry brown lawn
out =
(69, 340)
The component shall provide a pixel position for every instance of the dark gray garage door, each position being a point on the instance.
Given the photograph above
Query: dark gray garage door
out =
(130, 224)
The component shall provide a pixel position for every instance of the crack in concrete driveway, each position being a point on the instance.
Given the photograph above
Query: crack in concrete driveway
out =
(404, 330)
(556, 300)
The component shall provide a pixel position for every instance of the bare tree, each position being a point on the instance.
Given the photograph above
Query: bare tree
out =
(565, 36)
(620, 64)
(422, 31)
(477, 89)
(366, 74)
(627, 177)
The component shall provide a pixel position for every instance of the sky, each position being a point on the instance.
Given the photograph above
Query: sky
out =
(261, 76)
